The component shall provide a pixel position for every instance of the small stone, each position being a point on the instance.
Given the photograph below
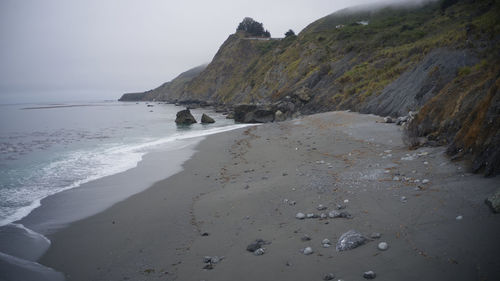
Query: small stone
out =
(325, 241)
(388, 120)
(425, 181)
(292, 203)
(326, 245)
(334, 214)
(323, 216)
(350, 240)
(312, 216)
(383, 246)
(300, 216)
(321, 207)
(307, 251)
(369, 275)
(375, 235)
(459, 217)
(346, 201)
(305, 238)
(205, 234)
(207, 259)
(403, 199)
(329, 276)
(252, 247)
(396, 178)
(259, 252)
(208, 266)
(340, 206)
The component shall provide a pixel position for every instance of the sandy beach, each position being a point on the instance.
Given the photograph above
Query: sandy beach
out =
(250, 183)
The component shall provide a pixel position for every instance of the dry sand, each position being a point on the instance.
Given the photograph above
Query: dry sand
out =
(237, 188)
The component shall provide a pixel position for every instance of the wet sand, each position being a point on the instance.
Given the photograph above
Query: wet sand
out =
(238, 188)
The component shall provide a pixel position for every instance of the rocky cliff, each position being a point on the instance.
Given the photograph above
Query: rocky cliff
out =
(439, 58)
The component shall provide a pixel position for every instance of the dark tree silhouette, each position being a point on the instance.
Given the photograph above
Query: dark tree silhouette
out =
(289, 33)
(253, 28)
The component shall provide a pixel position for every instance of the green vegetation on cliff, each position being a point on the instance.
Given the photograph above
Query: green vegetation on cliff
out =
(440, 58)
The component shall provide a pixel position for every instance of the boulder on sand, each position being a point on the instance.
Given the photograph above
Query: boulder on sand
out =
(205, 119)
(184, 117)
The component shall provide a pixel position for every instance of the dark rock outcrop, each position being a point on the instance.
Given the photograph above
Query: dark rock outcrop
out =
(184, 117)
(205, 119)
(249, 113)
(494, 201)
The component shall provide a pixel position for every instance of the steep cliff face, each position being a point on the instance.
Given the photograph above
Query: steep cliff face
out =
(169, 91)
(439, 59)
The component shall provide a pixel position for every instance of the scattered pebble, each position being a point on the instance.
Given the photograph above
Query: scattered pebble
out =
(403, 199)
(383, 246)
(329, 276)
(323, 216)
(321, 207)
(326, 243)
(300, 216)
(259, 252)
(425, 181)
(375, 235)
(346, 201)
(369, 275)
(340, 206)
(396, 178)
(307, 251)
(311, 216)
(426, 163)
(258, 243)
(205, 234)
(305, 238)
(459, 217)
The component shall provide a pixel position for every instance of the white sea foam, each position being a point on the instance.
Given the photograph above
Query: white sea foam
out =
(78, 167)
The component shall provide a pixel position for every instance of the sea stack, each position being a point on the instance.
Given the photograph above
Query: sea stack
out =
(205, 119)
(184, 117)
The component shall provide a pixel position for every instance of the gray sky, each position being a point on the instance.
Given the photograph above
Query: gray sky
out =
(97, 49)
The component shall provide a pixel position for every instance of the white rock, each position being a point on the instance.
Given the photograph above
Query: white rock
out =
(383, 246)
(403, 199)
(425, 181)
(396, 178)
(323, 216)
(300, 216)
(325, 241)
(310, 215)
(326, 245)
(307, 251)
(259, 252)
(459, 217)
(346, 201)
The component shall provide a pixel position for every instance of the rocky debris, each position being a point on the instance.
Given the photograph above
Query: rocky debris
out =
(494, 201)
(375, 235)
(382, 246)
(369, 275)
(340, 206)
(210, 262)
(250, 113)
(329, 276)
(400, 121)
(312, 216)
(205, 119)
(350, 240)
(307, 251)
(257, 244)
(300, 216)
(326, 243)
(184, 117)
(388, 120)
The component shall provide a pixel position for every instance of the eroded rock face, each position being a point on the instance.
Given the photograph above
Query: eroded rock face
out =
(184, 117)
(248, 113)
(205, 119)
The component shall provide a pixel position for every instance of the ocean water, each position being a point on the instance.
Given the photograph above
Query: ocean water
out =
(49, 148)
(78, 153)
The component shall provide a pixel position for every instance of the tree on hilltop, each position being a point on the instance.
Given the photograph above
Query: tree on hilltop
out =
(253, 28)
(289, 33)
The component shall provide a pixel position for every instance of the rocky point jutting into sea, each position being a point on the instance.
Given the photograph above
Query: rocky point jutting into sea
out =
(440, 59)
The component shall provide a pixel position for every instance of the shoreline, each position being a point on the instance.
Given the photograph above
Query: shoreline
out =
(238, 187)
